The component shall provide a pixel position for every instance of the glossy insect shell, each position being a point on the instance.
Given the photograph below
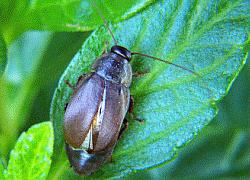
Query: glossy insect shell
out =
(95, 112)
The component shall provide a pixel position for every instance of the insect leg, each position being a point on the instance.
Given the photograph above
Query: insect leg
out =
(81, 79)
(65, 107)
(69, 84)
(140, 74)
(110, 160)
(124, 127)
(131, 109)
(105, 48)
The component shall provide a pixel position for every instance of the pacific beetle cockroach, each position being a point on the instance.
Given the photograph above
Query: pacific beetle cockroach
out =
(97, 108)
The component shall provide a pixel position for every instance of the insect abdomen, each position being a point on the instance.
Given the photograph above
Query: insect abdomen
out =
(95, 144)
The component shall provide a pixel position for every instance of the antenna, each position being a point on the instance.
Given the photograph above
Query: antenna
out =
(104, 21)
(165, 61)
(137, 53)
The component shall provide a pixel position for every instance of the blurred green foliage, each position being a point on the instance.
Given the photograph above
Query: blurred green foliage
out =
(36, 60)
(17, 16)
(3, 58)
(34, 64)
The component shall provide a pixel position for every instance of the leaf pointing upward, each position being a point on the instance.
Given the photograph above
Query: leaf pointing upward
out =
(205, 36)
(30, 159)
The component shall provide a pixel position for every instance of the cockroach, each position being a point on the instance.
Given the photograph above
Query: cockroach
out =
(96, 111)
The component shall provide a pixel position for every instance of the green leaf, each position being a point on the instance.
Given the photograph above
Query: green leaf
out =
(222, 150)
(3, 57)
(19, 84)
(30, 159)
(208, 37)
(60, 15)
(1, 169)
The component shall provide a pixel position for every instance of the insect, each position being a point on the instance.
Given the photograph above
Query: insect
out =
(95, 113)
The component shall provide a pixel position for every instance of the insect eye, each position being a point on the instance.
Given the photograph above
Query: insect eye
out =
(121, 51)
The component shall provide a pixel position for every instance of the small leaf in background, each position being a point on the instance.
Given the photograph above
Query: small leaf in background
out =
(60, 15)
(31, 157)
(3, 56)
(205, 36)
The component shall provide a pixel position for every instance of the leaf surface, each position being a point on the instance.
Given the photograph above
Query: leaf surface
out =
(222, 150)
(3, 56)
(208, 37)
(31, 157)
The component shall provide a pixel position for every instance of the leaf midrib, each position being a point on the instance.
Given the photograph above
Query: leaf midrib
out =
(159, 68)
(187, 79)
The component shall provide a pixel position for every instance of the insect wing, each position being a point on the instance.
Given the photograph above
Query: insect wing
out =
(116, 98)
(82, 109)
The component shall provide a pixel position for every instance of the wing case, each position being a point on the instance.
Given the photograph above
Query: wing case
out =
(82, 109)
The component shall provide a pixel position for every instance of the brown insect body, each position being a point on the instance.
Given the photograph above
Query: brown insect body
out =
(95, 113)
